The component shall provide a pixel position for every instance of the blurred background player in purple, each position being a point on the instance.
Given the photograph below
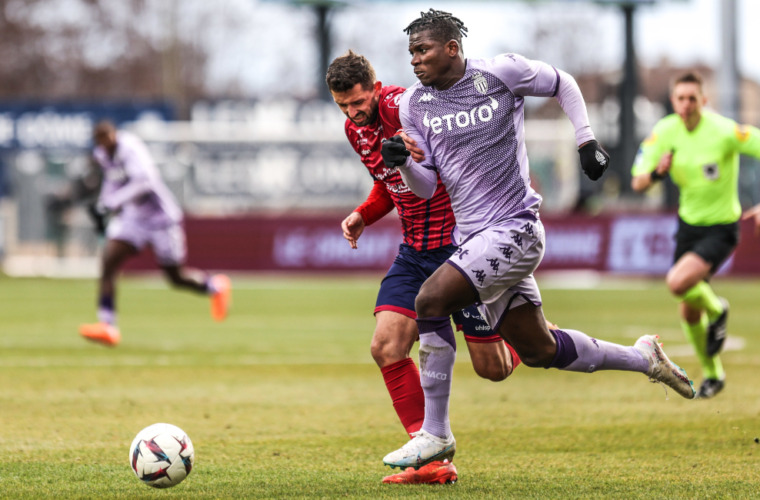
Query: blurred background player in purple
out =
(141, 211)
(466, 115)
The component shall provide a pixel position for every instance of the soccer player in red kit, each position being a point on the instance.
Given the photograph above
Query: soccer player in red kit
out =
(373, 116)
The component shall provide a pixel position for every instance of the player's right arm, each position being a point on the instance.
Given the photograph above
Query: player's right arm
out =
(421, 178)
(417, 154)
(378, 204)
(422, 181)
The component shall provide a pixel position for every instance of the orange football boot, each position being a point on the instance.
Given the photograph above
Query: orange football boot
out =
(102, 333)
(221, 298)
(433, 473)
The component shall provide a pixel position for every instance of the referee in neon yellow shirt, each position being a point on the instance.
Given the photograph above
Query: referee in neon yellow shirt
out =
(700, 151)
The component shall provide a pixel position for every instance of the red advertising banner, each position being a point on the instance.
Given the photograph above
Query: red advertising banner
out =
(623, 244)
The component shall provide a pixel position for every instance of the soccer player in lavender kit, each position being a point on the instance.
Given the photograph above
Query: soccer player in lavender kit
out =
(466, 115)
(144, 212)
(373, 116)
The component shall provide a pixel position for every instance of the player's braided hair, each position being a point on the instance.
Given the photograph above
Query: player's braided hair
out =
(348, 70)
(442, 26)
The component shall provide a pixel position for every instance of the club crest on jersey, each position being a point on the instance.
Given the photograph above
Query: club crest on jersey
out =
(480, 82)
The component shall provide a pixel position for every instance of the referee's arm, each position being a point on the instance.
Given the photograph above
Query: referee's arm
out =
(643, 181)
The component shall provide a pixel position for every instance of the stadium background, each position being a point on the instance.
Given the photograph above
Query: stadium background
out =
(265, 176)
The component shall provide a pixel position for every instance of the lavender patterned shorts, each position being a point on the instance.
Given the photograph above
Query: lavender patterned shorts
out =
(168, 243)
(499, 263)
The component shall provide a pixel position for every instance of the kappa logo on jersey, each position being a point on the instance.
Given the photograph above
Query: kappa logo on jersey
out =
(462, 119)
(426, 97)
(480, 82)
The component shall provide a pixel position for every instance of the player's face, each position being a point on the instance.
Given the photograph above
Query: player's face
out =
(687, 100)
(107, 140)
(431, 60)
(358, 104)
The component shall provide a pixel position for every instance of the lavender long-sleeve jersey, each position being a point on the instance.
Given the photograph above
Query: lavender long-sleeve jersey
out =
(132, 184)
(473, 135)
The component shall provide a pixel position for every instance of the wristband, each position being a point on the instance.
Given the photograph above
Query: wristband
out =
(656, 176)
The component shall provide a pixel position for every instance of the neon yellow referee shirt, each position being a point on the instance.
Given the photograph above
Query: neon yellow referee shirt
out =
(705, 164)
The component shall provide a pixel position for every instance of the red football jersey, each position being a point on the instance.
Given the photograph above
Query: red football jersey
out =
(427, 224)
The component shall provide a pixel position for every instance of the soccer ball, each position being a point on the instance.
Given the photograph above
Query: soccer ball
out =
(161, 455)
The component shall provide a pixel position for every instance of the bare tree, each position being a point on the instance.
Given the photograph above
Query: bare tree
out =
(101, 49)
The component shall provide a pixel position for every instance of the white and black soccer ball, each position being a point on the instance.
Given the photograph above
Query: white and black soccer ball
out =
(161, 455)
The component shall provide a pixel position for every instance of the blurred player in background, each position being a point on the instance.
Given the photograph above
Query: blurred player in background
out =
(142, 212)
(372, 116)
(467, 118)
(700, 151)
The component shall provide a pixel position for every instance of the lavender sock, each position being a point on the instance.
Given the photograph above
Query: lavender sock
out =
(106, 310)
(437, 356)
(577, 352)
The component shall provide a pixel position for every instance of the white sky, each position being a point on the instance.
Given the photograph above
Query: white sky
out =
(275, 50)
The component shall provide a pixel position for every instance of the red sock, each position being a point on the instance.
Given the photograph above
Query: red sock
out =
(515, 358)
(402, 379)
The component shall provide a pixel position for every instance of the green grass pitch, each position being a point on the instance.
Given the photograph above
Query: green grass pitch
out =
(284, 401)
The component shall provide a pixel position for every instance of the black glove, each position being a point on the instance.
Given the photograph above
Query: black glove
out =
(99, 216)
(394, 151)
(594, 160)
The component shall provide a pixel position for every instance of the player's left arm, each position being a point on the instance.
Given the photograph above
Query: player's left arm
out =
(594, 159)
(526, 77)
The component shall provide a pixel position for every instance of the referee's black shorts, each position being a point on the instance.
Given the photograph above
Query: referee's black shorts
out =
(712, 243)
